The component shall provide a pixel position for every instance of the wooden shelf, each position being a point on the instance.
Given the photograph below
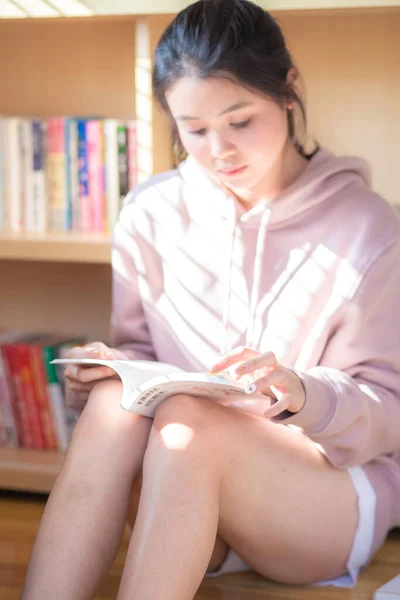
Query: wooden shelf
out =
(29, 470)
(90, 8)
(68, 247)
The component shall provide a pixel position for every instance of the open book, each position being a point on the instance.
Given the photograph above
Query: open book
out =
(146, 384)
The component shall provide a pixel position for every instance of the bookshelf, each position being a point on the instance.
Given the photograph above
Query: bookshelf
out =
(29, 470)
(347, 52)
(56, 247)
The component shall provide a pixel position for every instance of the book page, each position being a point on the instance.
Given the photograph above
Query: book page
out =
(132, 372)
(147, 397)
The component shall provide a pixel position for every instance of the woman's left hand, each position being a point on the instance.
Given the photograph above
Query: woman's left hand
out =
(268, 377)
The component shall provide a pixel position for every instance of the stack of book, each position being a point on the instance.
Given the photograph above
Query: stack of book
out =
(65, 174)
(33, 411)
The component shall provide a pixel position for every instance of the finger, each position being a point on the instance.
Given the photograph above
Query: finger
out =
(83, 375)
(92, 350)
(278, 408)
(277, 377)
(237, 355)
(99, 350)
(265, 360)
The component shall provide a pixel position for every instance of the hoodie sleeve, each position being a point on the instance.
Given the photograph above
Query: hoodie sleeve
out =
(129, 332)
(352, 406)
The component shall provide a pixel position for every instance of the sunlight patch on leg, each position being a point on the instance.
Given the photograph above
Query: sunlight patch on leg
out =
(177, 436)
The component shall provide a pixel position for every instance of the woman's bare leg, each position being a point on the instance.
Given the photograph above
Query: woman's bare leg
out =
(84, 518)
(265, 487)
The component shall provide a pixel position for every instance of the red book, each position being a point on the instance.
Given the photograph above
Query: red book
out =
(23, 421)
(30, 398)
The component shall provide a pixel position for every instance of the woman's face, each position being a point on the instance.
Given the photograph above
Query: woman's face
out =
(237, 135)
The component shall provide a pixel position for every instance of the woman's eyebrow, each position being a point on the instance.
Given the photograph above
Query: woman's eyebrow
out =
(232, 108)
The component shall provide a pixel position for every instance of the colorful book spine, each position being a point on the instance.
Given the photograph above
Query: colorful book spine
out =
(84, 209)
(56, 395)
(31, 403)
(42, 395)
(65, 173)
(94, 130)
(39, 209)
(24, 425)
(7, 403)
(26, 148)
(73, 173)
(3, 433)
(132, 154)
(111, 171)
(57, 191)
(12, 174)
(122, 161)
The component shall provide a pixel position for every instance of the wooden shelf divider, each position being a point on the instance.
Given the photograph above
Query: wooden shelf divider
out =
(51, 247)
(23, 469)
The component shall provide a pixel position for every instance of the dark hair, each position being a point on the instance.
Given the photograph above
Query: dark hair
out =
(235, 39)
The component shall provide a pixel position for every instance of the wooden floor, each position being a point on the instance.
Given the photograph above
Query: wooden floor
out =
(19, 519)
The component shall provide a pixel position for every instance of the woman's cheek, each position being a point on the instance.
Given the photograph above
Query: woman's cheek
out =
(196, 148)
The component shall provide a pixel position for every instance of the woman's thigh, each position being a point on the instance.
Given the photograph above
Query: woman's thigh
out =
(289, 514)
(109, 435)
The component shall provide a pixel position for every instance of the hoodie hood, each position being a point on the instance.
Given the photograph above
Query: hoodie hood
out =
(325, 176)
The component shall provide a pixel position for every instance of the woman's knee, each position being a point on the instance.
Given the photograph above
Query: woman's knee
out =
(195, 426)
(103, 412)
(185, 407)
(185, 412)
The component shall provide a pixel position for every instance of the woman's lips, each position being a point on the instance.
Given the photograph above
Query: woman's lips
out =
(233, 172)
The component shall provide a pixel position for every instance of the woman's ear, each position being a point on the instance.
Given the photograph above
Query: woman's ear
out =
(291, 80)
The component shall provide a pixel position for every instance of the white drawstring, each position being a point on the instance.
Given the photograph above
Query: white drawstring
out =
(228, 284)
(255, 286)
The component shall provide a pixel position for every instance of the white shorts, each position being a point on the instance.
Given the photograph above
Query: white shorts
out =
(363, 539)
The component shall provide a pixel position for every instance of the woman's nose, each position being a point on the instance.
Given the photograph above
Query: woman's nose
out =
(221, 148)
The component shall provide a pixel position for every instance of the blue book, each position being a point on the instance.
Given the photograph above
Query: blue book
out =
(83, 174)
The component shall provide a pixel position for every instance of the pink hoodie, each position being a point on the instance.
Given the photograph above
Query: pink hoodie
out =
(313, 276)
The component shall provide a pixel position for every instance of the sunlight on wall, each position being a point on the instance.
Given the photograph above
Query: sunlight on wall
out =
(144, 103)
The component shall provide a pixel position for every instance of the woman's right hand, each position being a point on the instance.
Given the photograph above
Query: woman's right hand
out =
(80, 379)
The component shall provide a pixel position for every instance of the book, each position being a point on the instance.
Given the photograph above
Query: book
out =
(111, 172)
(57, 175)
(7, 403)
(12, 175)
(94, 133)
(146, 384)
(39, 210)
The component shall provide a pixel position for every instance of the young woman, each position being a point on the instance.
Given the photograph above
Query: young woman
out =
(252, 254)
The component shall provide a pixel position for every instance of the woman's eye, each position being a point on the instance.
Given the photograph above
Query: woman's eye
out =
(198, 132)
(241, 125)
